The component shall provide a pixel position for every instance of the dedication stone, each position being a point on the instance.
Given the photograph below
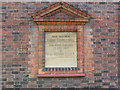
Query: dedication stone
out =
(60, 49)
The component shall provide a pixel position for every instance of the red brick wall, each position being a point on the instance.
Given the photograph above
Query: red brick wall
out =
(19, 41)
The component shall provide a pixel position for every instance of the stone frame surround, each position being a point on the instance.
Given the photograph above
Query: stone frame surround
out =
(47, 24)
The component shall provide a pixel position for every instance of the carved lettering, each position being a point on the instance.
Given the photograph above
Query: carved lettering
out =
(60, 49)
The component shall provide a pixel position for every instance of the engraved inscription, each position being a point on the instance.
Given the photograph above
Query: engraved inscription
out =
(60, 49)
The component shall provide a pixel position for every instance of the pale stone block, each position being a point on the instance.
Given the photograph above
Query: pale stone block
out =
(60, 49)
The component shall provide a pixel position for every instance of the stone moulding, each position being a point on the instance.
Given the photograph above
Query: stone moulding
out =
(62, 75)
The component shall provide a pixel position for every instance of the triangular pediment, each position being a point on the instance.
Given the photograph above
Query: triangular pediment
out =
(60, 15)
(61, 10)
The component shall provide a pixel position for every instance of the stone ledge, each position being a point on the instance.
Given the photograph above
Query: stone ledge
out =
(62, 75)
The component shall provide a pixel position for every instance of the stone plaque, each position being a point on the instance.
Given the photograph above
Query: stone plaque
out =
(60, 49)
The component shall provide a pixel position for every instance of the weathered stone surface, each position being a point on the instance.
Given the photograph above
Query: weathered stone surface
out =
(60, 49)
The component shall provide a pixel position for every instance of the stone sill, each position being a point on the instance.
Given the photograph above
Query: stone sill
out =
(62, 75)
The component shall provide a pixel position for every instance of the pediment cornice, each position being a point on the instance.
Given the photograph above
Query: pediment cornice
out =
(47, 14)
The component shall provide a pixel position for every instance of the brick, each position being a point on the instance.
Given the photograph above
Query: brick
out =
(17, 86)
(17, 72)
(22, 69)
(97, 74)
(25, 82)
(98, 81)
(113, 78)
(100, 45)
(105, 71)
(16, 65)
(32, 79)
(111, 30)
(10, 83)
(4, 79)
(106, 83)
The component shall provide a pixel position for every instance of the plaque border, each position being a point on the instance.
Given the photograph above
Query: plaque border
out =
(80, 19)
(70, 70)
